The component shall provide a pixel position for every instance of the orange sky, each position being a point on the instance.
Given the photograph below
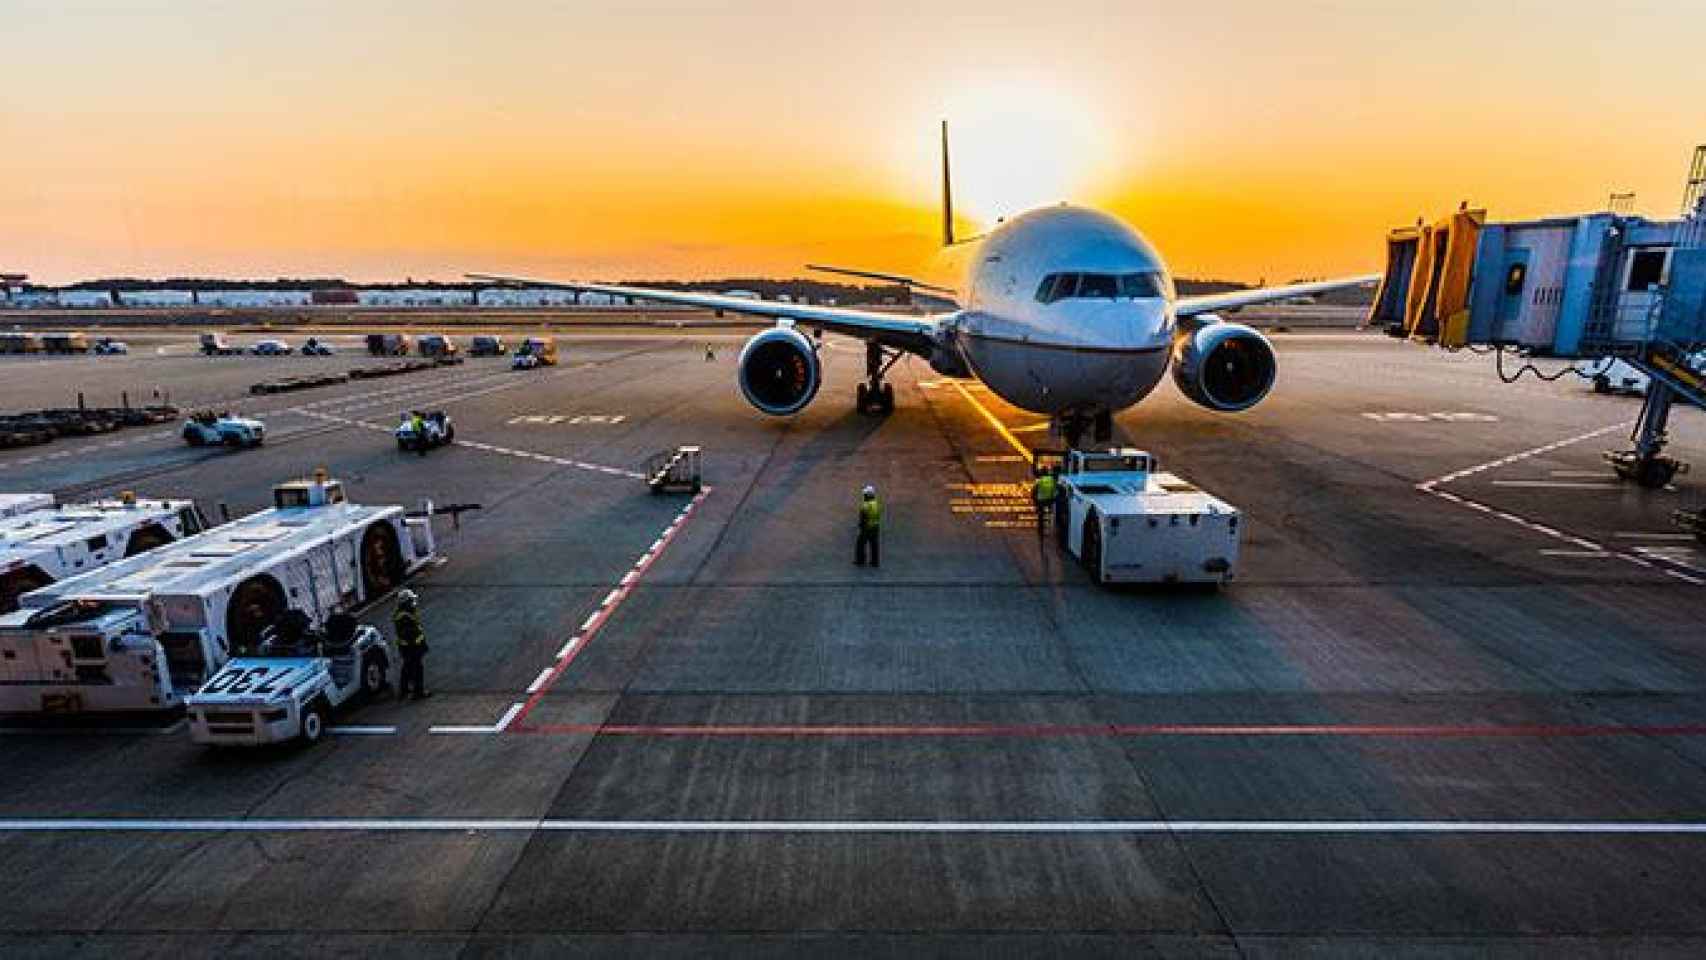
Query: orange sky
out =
(377, 140)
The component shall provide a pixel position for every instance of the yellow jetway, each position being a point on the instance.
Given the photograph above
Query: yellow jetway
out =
(1424, 294)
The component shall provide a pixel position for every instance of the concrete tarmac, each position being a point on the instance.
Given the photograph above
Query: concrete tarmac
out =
(1452, 704)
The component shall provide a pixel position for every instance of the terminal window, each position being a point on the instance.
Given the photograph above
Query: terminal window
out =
(1646, 269)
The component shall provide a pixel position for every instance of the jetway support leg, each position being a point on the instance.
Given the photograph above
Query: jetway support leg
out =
(1646, 463)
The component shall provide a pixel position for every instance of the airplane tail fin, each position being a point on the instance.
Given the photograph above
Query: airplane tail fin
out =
(947, 193)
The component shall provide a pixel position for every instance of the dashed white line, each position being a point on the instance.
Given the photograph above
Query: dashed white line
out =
(539, 681)
(509, 716)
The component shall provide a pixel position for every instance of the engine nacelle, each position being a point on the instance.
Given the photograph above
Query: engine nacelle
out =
(779, 371)
(1223, 366)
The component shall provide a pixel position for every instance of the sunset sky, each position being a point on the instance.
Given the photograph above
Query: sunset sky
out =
(378, 140)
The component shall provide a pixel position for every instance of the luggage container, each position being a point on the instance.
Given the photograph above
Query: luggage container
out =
(143, 633)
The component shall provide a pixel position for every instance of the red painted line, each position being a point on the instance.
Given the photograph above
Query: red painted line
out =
(605, 611)
(1421, 731)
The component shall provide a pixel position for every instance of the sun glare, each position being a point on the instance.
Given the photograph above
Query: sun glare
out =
(1018, 144)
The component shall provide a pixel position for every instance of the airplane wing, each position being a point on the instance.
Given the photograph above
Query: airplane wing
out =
(916, 334)
(1232, 299)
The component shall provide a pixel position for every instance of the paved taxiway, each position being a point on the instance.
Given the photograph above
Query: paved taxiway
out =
(1440, 708)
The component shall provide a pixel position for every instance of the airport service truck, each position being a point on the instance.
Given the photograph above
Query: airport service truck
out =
(1130, 523)
(143, 633)
(289, 689)
(41, 543)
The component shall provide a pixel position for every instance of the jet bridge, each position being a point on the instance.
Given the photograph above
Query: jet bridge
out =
(1586, 287)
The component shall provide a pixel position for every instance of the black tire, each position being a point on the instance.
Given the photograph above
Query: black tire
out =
(255, 604)
(381, 560)
(373, 674)
(888, 398)
(1601, 384)
(449, 434)
(861, 398)
(147, 538)
(1092, 551)
(313, 723)
(18, 582)
(233, 441)
(1653, 474)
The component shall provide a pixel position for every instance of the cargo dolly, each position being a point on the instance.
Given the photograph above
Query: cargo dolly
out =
(674, 470)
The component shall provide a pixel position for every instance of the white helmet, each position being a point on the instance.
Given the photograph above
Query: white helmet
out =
(870, 491)
(407, 597)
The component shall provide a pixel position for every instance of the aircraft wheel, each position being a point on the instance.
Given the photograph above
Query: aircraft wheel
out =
(888, 398)
(861, 398)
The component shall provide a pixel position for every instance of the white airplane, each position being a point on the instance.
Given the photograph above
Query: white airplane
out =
(1061, 311)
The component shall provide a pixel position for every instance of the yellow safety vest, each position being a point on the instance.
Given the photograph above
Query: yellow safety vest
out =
(1045, 488)
(871, 514)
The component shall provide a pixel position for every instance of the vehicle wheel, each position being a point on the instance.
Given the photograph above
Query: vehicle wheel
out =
(1654, 473)
(1093, 546)
(402, 446)
(450, 434)
(18, 582)
(1601, 384)
(381, 560)
(256, 604)
(232, 440)
(146, 539)
(372, 675)
(313, 723)
(193, 439)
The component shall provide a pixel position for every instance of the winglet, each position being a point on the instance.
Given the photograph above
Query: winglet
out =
(947, 193)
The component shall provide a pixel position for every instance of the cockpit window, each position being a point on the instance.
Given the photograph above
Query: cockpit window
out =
(1098, 286)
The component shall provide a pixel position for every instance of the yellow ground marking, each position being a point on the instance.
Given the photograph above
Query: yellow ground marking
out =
(1000, 427)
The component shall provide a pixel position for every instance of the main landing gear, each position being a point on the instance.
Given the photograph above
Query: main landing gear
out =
(875, 397)
(1645, 463)
(1072, 427)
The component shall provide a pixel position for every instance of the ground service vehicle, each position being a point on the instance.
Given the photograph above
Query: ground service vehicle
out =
(46, 543)
(421, 432)
(13, 504)
(1127, 522)
(291, 686)
(107, 347)
(1611, 375)
(435, 345)
(270, 348)
(65, 342)
(315, 347)
(145, 632)
(535, 352)
(486, 345)
(214, 345)
(206, 429)
(388, 344)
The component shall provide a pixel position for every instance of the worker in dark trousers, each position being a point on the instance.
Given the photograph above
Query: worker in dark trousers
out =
(870, 529)
(411, 645)
(1043, 492)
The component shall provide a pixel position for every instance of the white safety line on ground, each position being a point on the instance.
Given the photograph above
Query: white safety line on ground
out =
(1432, 486)
(548, 825)
(484, 447)
(363, 730)
(95, 731)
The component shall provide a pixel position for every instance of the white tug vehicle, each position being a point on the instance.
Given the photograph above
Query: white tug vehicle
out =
(41, 543)
(291, 686)
(421, 432)
(208, 429)
(145, 632)
(1129, 523)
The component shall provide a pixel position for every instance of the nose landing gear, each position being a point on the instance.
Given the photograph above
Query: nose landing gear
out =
(875, 397)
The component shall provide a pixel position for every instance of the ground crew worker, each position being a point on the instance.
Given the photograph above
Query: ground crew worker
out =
(870, 529)
(411, 645)
(1046, 489)
(710, 354)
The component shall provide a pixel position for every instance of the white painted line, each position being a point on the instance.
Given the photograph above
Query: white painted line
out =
(508, 717)
(464, 825)
(1560, 484)
(588, 622)
(1633, 535)
(655, 545)
(567, 649)
(453, 728)
(629, 577)
(1577, 553)
(539, 681)
(1683, 576)
(1580, 474)
(611, 597)
(358, 730)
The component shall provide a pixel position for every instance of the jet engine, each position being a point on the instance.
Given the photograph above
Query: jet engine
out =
(1223, 366)
(779, 371)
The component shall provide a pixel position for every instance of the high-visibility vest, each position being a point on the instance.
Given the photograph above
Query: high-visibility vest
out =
(1045, 488)
(871, 514)
(407, 623)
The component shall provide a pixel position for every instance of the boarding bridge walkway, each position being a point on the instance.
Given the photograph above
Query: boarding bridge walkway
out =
(1600, 285)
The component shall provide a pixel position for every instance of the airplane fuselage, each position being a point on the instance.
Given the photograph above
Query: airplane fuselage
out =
(1065, 311)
